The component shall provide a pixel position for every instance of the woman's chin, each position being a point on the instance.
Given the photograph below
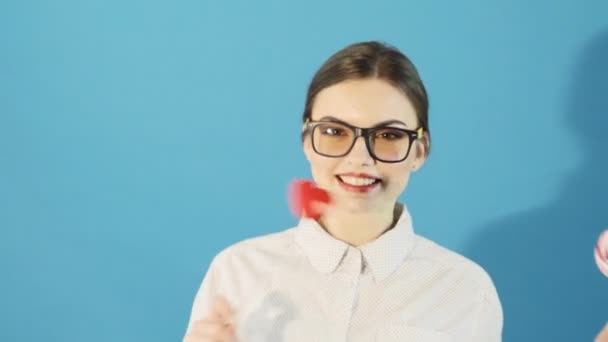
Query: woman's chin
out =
(358, 204)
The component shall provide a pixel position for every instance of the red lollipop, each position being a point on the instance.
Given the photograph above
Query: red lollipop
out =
(302, 196)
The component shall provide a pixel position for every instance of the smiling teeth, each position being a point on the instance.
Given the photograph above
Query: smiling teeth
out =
(356, 181)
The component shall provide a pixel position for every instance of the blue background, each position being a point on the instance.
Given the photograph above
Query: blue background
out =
(139, 138)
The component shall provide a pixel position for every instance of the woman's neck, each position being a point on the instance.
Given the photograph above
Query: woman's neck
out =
(359, 228)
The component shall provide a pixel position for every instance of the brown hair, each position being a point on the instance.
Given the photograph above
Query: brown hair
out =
(372, 59)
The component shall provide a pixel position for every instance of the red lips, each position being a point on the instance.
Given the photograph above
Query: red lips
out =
(301, 196)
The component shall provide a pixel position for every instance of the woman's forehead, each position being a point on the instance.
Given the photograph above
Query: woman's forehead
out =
(364, 103)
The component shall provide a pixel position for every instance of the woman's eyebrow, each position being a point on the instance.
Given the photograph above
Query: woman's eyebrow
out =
(389, 122)
(380, 124)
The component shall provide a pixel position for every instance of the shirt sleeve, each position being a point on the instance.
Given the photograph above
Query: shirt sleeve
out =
(489, 320)
(205, 294)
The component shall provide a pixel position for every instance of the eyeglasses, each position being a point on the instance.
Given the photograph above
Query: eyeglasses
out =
(386, 144)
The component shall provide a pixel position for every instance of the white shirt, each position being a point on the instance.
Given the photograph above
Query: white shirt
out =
(302, 284)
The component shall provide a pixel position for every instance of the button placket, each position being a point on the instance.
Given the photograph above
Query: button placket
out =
(353, 263)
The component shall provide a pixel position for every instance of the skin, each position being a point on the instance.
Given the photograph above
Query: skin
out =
(603, 336)
(354, 217)
(217, 326)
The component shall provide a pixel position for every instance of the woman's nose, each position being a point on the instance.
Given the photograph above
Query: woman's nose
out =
(359, 155)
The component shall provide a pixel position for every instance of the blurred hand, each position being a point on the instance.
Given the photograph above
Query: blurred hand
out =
(603, 336)
(218, 326)
(601, 253)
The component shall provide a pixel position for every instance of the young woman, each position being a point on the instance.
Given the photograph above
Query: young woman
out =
(359, 272)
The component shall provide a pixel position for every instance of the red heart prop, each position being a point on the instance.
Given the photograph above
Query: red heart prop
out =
(302, 193)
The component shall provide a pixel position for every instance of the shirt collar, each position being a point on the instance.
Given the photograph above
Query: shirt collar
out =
(323, 250)
(383, 255)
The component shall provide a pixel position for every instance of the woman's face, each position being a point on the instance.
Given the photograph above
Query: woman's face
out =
(363, 103)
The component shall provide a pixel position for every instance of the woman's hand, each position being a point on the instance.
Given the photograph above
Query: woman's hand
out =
(603, 336)
(601, 258)
(218, 326)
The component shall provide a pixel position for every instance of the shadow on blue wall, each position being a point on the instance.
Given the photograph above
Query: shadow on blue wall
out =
(542, 260)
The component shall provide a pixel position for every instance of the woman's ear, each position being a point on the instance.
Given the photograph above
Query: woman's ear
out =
(421, 151)
(306, 146)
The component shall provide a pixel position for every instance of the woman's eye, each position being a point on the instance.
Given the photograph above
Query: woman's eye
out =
(333, 131)
(390, 134)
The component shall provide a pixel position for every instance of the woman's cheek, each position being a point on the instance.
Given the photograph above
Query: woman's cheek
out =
(322, 173)
(396, 183)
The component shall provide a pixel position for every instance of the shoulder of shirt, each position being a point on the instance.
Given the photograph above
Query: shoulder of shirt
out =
(273, 245)
(448, 260)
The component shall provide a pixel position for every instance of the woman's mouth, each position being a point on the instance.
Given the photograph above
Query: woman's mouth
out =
(358, 183)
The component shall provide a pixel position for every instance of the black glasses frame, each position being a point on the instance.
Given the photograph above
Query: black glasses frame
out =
(367, 134)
